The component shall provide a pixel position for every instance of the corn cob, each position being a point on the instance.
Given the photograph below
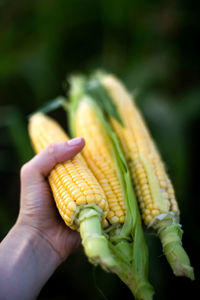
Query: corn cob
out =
(98, 154)
(141, 152)
(104, 157)
(153, 187)
(78, 196)
(72, 183)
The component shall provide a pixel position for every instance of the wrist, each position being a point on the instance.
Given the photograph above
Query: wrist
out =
(40, 244)
(26, 263)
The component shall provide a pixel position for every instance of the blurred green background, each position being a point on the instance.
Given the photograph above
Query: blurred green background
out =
(154, 47)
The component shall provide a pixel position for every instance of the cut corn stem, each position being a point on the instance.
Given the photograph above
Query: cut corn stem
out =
(94, 242)
(170, 234)
(100, 250)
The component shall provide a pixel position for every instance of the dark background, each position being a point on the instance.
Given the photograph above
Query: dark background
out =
(154, 47)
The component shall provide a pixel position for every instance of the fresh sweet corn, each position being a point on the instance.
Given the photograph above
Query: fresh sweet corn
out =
(98, 155)
(72, 183)
(105, 158)
(153, 187)
(154, 191)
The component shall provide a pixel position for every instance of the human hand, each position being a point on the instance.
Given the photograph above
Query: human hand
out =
(38, 211)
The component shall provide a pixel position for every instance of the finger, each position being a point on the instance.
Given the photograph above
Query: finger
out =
(43, 163)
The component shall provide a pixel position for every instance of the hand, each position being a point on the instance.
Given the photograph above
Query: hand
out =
(40, 240)
(38, 211)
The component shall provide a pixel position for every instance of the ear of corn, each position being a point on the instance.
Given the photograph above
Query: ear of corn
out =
(78, 196)
(154, 190)
(106, 160)
(99, 157)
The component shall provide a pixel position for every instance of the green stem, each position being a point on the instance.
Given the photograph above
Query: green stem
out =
(94, 242)
(111, 257)
(170, 234)
(126, 271)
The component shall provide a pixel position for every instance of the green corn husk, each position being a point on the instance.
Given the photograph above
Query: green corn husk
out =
(123, 250)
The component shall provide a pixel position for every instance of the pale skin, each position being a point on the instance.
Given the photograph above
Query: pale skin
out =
(39, 241)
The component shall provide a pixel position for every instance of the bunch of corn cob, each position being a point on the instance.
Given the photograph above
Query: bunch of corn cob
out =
(153, 187)
(103, 207)
(94, 192)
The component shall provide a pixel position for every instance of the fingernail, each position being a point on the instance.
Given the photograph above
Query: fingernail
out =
(75, 141)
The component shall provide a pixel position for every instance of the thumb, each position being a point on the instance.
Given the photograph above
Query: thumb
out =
(40, 166)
